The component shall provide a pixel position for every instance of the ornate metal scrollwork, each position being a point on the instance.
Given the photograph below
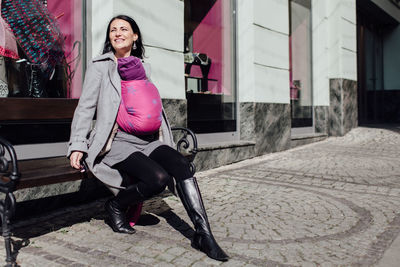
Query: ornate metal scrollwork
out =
(8, 181)
(187, 145)
(4, 164)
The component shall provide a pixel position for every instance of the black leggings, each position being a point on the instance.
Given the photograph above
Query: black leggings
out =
(152, 173)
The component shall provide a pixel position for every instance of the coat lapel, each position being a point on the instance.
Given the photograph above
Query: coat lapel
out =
(112, 70)
(114, 77)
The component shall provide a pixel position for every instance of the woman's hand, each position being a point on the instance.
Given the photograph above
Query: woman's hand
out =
(75, 160)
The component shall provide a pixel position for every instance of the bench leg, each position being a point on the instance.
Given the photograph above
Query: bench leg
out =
(7, 209)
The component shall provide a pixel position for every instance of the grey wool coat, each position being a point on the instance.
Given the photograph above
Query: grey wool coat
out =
(101, 94)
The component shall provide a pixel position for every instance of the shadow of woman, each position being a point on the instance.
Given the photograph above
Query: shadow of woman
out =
(56, 220)
(26, 229)
(159, 207)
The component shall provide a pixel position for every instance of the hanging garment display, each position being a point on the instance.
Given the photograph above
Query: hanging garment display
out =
(37, 33)
(8, 45)
(8, 48)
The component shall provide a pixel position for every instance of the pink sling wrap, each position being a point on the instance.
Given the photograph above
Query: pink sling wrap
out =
(140, 111)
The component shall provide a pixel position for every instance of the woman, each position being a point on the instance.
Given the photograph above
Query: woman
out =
(142, 157)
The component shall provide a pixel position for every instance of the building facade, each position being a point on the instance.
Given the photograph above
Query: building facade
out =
(250, 77)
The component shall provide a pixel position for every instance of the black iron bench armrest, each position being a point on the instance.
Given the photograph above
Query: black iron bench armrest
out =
(187, 146)
(8, 180)
(9, 176)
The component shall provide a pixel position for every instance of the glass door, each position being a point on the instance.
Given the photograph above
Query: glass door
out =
(300, 70)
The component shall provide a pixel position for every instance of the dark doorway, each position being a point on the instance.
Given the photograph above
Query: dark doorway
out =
(377, 102)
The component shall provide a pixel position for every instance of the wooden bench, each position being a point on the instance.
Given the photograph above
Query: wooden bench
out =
(15, 175)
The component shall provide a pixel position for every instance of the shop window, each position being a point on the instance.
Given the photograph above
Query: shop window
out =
(209, 65)
(42, 50)
(300, 63)
(41, 56)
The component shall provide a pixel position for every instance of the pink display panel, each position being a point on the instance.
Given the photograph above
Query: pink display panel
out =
(212, 37)
(69, 18)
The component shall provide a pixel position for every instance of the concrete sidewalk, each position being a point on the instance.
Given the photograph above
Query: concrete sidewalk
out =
(332, 203)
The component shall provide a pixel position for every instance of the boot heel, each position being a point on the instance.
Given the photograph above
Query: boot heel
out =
(117, 219)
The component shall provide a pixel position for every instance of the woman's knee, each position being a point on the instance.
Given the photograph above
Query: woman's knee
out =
(160, 181)
(180, 164)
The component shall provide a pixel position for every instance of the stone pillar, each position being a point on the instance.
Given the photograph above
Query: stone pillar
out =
(343, 113)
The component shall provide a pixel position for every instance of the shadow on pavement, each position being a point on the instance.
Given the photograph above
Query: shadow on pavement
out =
(56, 220)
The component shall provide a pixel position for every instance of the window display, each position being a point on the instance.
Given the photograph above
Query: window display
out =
(209, 67)
(44, 62)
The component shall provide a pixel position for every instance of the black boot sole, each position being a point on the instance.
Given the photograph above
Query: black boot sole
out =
(116, 230)
(129, 230)
(200, 248)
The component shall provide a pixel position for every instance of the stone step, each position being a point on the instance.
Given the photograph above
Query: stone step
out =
(304, 139)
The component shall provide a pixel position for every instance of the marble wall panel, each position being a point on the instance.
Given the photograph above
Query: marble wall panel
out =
(350, 106)
(335, 125)
(321, 119)
(47, 191)
(265, 124)
(80, 190)
(247, 123)
(176, 110)
(343, 114)
(212, 158)
(272, 127)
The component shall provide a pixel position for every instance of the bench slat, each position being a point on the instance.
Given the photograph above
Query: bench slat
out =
(38, 172)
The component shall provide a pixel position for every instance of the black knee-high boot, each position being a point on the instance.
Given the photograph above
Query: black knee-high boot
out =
(203, 239)
(117, 206)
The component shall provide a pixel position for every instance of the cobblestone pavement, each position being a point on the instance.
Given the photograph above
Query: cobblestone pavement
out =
(331, 203)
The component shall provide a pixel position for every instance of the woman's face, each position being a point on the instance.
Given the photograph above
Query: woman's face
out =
(122, 37)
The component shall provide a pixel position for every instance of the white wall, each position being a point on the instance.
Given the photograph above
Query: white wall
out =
(320, 49)
(161, 24)
(334, 45)
(245, 48)
(342, 39)
(99, 12)
(263, 51)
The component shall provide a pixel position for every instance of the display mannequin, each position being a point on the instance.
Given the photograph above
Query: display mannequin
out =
(204, 62)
